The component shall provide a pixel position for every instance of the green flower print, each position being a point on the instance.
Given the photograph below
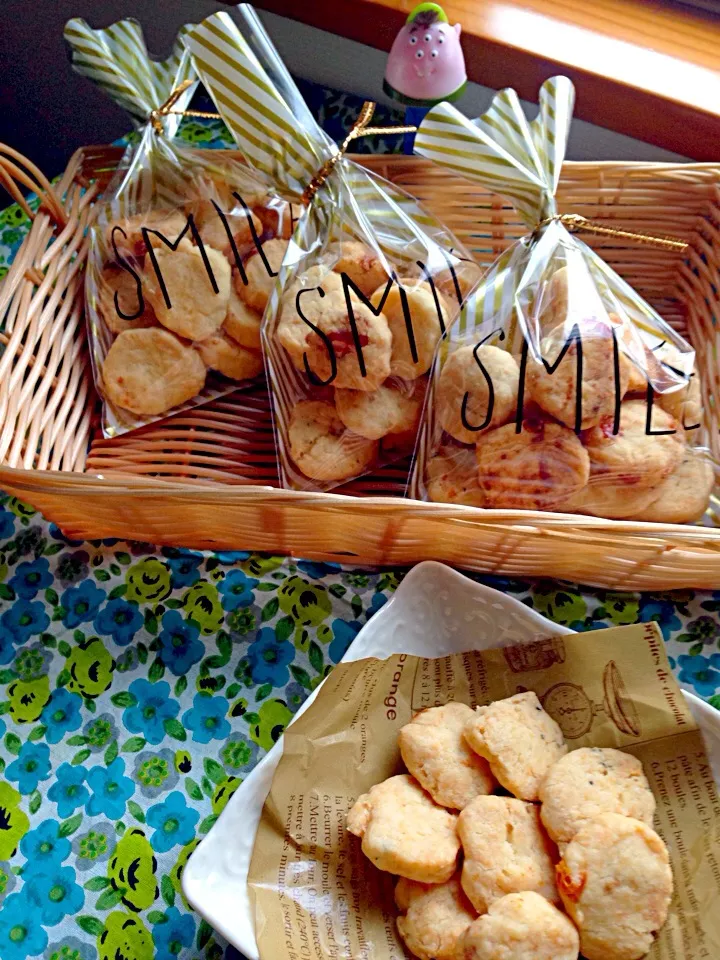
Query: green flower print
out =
(619, 608)
(31, 663)
(242, 621)
(237, 754)
(183, 761)
(90, 667)
(27, 698)
(268, 723)
(19, 508)
(14, 823)
(67, 952)
(197, 132)
(93, 847)
(132, 869)
(100, 732)
(259, 566)
(14, 216)
(561, 606)
(148, 581)
(223, 792)
(308, 604)
(202, 604)
(155, 772)
(7, 879)
(125, 937)
(180, 864)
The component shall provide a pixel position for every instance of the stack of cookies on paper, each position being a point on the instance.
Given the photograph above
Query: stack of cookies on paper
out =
(497, 827)
(183, 291)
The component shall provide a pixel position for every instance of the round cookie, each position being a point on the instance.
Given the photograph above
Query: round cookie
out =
(150, 371)
(461, 374)
(117, 290)
(557, 392)
(615, 501)
(506, 851)
(129, 241)
(195, 311)
(222, 353)
(458, 283)
(389, 409)
(616, 883)
(212, 230)
(256, 292)
(436, 754)
(322, 446)
(428, 316)
(589, 782)
(278, 217)
(361, 264)
(684, 496)
(632, 456)
(242, 323)
(404, 832)
(521, 926)
(435, 917)
(452, 477)
(537, 469)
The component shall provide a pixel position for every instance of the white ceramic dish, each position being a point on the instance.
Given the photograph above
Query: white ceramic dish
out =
(435, 612)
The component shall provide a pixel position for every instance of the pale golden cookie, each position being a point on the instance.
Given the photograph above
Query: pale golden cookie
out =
(537, 469)
(506, 851)
(435, 917)
(519, 740)
(150, 371)
(457, 287)
(129, 241)
(222, 353)
(557, 392)
(260, 280)
(436, 754)
(279, 218)
(591, 781)
(616, 883)
(322, 446)
(685, 404)
(118, 290)
(521, 926)
(615, 501)
(452, 477)
(361, 264)
(213, 231)
(196, 311)
(392, 408)
(684, 496)
(461, 375)
(633, 455)
(404, 832)
(427, 316)
(242, 323)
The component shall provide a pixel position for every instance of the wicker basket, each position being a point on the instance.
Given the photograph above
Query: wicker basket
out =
(207, 478)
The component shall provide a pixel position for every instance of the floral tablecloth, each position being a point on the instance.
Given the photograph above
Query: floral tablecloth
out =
(139, 686)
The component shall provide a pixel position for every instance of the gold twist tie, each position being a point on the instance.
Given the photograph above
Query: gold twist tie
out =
(579, 224)
(156, 116)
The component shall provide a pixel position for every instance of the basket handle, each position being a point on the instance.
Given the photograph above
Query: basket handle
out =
(17, 171)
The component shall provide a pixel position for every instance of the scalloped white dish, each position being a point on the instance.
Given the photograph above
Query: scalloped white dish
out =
(435, 612)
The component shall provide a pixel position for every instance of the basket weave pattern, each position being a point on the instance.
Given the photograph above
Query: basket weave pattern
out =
(205, 478)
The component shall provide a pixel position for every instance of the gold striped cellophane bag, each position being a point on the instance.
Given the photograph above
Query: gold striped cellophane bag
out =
(166, 283)
(369, 282)
(558, 387)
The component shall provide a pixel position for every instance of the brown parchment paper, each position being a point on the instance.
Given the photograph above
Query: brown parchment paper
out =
(314, 893)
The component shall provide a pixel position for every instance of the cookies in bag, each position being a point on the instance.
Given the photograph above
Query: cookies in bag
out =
(558, 388)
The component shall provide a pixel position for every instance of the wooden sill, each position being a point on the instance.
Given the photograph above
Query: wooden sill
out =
(642, 68)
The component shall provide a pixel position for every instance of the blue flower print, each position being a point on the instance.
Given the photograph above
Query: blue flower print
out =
(61, 715)
(207, 719)
(180, 647)
(29, 578)
(31, 766)
(269, 658)
(21, 932)
(72, 567)
(173, 822)
(663, 612)
(57, 534)
(701, 673)
(43, 848)
(7, 644)
(184, 569)
(110, 790)
(24, 619)
(154, 706)
(379, 600)
(2, 728)
(120, 620)
(232, 556)
(81, 603)
(69, 791)
(56, 894)
(236, 590)
(343, 636)
(7, 524)
(295, 695)
(170, 937)
(318, 570)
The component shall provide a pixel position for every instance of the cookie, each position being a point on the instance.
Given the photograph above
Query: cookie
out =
(458, 283)
(360, 263)
(150, 371)
(685, 404)
(520, 926)
(589, 782)
(435, 919)
(684, 496)
(452, 477)
(436, 754)
(404, 832)
(261, 270)
(128, 241)
(242, 323)
(519, 740)
(633, 456)
(278, 217)
(557, 392)
(196, 311)
(222, 353)
(537, 469)
(427, 317)
(463, 374)
(506, 851)
(321, 445)
(615, 882)
(118, 294)
(615, 501)
(392, 408)
(244, 227)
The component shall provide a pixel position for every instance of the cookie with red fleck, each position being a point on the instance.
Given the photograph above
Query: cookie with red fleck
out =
(520, 926)
(434, 917)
